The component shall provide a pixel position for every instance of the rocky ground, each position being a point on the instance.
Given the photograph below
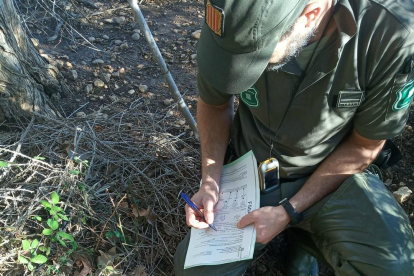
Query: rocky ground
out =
(106, 61)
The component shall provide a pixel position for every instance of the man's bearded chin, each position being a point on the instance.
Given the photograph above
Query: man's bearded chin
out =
(295, 40)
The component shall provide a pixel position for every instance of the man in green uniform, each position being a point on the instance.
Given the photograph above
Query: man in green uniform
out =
(322, 84)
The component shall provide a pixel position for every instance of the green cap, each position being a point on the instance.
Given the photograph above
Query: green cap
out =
(238, 38)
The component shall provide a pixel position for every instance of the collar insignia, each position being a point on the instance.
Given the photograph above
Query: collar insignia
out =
(215, 18)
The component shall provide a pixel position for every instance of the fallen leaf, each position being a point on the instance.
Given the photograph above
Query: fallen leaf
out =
(124, 204)
(85, 270)
(141, 213)
(112, 251)
(104, 260)
(139, 271)
(99, 128)
(152, 218)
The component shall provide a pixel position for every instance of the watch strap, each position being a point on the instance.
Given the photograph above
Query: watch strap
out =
(295, 217)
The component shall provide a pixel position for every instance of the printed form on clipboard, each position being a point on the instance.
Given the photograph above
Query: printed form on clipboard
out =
(239, 195)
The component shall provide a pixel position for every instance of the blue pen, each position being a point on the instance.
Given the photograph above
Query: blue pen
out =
(194, 207)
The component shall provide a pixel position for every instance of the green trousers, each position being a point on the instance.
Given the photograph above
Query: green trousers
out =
(358, 230)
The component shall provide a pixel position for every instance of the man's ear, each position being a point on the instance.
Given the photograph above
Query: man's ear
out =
(312, 13)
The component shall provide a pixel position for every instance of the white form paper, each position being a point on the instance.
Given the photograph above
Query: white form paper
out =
(239, 195)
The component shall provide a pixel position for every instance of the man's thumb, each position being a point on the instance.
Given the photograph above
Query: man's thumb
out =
(209, 211)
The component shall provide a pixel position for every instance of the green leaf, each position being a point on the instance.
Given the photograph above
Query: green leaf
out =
(25, 244)
(63, 217)
(30, 266)
(57, 209)
(47, 232)
(34, 244)
(128, 240)
(23, 260)
(47, 251)
(65, 235)
(82, 186)
(39, 259)
(42, 248)
(37, 218)
(74, 172)
(54, 197)
(74, 245)
(117, 234)
(46, 204)
(109, 234)
(61, 242)
(3, 164)
(52, 212)
(39, 158)
(53, 224)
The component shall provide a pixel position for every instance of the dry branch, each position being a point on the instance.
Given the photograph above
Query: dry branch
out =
(128, 152)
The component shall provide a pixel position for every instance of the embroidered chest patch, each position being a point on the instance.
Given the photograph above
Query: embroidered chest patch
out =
(404, 96)
(250, 97)
(215, 18)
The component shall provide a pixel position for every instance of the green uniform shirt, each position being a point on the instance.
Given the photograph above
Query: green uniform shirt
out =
(362, 81)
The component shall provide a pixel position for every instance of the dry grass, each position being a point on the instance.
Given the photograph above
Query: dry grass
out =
(132, 170)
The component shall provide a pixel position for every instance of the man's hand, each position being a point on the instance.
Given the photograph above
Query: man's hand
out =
(205, 199)
(268, 221)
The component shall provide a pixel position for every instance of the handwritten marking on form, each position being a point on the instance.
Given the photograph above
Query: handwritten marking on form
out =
(239, 195)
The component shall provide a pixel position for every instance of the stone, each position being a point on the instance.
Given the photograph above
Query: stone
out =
(142, 88)
(402, 184)
(118, 42)
(120, 20)
(135, 36)
(114, 98)
(131, 92)
(196, 34)
(193, 56)
(105, 37)
(167, 102)
(35, 42)
(106, 77)
(68, 65)
(388, 182)
(122, 70)
(109, 20)
(98, 61)
(83, 62)
(73, 75)
(92, 39)
(137, 31)
(123, 46)
(394, 186)
(115, 74)
(402, 194)
(99, 83)
(81, 114)
(89, 88)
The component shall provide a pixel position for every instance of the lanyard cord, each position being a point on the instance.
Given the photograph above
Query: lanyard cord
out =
(293, 94)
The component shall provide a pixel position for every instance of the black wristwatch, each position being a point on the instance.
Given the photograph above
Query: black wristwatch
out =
(295, 217)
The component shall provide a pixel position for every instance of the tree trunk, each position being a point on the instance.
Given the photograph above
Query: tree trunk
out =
(27, 81)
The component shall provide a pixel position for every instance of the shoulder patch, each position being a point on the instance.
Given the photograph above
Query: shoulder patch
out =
(404, 96)
(250, 97)
(215, 18)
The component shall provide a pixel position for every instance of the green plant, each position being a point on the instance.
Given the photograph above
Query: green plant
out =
(34, 258)
(50, 234)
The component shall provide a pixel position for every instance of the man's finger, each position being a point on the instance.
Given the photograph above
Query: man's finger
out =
(246, 220)
(209, 211)
(192, 219)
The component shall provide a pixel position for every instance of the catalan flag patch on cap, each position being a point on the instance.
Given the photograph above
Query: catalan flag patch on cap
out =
(215, 18)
